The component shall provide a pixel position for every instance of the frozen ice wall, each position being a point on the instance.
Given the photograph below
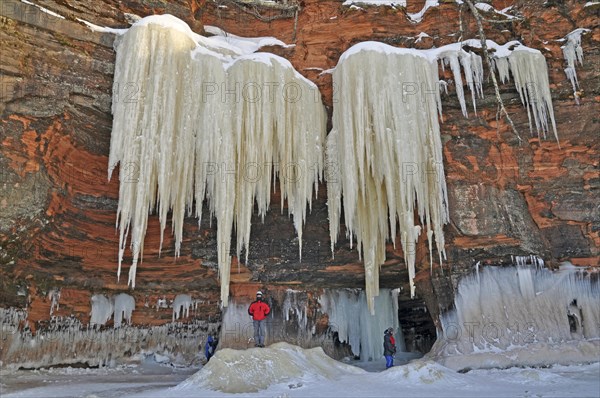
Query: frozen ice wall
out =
(522, 315)
(66, 341)
(205, 121)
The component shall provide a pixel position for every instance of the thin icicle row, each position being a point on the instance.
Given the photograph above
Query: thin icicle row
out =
(573, 54)
(192, 135)
(530, 74)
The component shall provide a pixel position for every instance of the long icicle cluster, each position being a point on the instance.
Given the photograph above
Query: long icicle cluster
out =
(530, 74)
(386, 138)
(209, 126)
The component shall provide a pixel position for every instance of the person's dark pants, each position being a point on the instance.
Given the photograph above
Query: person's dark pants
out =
(389, 361)
(259, 332)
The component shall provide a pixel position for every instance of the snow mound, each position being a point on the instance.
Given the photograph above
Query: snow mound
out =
(256, 369)
(419, 372)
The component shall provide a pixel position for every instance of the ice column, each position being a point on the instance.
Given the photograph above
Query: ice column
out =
(350, 316)
(124, 306)
(102, 310)
(181, 306)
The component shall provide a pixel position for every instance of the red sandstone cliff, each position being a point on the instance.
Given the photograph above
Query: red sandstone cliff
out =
(57, 209)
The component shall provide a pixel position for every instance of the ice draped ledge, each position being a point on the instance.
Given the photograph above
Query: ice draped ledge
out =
(386, 134)
(200, 118)
(209, 121)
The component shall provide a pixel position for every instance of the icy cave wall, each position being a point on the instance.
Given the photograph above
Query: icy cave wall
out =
(58, 210)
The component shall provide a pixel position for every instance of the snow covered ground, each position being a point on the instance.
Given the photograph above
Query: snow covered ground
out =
(283, 370)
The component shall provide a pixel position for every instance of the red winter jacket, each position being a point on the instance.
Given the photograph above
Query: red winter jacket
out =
(259, 310)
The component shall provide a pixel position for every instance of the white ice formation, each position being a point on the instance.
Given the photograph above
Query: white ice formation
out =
(54, 296)
(386, 135)
(102, 310)
(181, 306)
(124, 305)
(253, 370)
(386, 139)
(530, 74)
(120, 306)
(203, 119)
(573, 54)
(206, 119)
(522, 315)
(399, 3)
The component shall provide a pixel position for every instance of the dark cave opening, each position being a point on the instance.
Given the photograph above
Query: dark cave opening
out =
(417, 325)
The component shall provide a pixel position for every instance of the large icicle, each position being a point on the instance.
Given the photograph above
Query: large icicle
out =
(210, 124)
(148, 128)
(386, 139)
(530, 73)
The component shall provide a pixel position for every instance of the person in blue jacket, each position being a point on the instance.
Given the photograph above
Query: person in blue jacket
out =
(210, 347)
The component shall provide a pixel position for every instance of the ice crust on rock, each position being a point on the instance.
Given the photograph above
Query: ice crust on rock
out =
(521, 315)
(211, 122)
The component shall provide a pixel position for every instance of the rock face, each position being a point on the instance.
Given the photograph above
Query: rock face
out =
(57, 208)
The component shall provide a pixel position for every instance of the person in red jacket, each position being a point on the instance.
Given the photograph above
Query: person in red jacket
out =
(259, 310)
